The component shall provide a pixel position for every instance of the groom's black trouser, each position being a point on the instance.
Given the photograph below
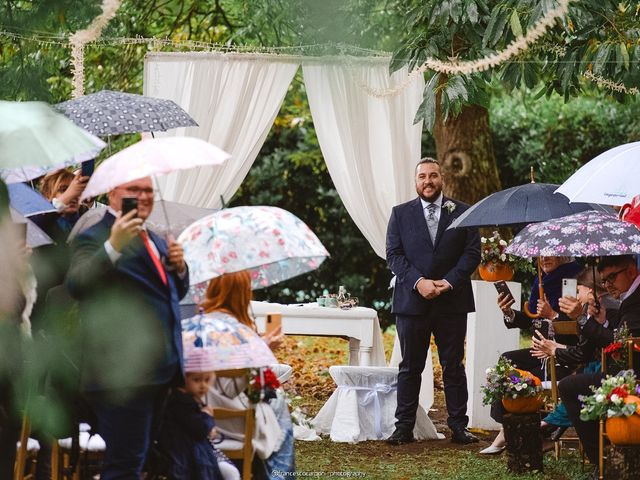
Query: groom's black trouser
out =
(414, 334)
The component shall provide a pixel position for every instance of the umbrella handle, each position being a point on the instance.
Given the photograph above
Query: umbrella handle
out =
(540, 293)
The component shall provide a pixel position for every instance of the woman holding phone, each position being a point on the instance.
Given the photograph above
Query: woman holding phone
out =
(554, 269)
(585, 352)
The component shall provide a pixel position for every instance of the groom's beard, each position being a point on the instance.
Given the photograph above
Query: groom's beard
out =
(431, 199)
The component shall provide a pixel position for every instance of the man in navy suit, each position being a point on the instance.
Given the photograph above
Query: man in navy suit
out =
(129, 283)
(432, 295)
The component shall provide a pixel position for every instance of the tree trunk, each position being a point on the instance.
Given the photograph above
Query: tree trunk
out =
(465, 152)
(623, 462)
(523, 442)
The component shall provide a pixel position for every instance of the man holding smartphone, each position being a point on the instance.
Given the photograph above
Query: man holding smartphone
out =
(119, 260)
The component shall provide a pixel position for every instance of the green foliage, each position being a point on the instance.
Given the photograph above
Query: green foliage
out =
(598, 36)
(554, 137)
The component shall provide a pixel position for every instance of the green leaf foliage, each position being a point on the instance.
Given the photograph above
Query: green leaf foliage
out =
(555, 137)
(598, 36)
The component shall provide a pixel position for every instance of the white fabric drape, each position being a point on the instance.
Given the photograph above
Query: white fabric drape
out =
(370, 144)
(234, 98)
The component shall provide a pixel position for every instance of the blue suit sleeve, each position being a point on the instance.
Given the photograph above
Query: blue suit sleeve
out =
(396, 257)
(89, 265)
(468, 261)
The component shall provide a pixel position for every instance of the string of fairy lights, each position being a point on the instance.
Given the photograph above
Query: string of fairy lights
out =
(92, 36)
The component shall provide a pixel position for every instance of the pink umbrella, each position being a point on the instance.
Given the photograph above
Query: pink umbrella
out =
(152, 157)
(217, 341)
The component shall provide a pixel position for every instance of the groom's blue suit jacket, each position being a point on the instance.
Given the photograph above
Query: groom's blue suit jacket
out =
(412, 254)
(126, 311)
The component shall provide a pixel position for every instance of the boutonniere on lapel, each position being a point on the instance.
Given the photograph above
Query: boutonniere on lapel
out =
(450, 206)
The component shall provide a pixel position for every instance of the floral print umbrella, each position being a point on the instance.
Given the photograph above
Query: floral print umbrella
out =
(273, 244)
(584, 234)
(217, 341)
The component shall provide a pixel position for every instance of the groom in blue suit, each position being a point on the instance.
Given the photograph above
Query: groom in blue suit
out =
(432, 295)
(129, 283)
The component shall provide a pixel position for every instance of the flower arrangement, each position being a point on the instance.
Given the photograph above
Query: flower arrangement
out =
(263, 384)
(618, 396)
(492, 249)
(504, 381)
(617, 352)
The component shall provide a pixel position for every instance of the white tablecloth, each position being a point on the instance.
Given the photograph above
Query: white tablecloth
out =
(359, 324)
(363, 406)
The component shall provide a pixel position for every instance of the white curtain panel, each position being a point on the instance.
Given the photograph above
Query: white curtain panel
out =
(369, 142)
(234, 98)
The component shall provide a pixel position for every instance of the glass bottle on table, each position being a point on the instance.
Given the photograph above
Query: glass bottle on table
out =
(342, 295)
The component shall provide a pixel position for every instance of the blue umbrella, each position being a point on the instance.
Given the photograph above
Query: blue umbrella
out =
(36, 237)
(529, 203)
(28, 202)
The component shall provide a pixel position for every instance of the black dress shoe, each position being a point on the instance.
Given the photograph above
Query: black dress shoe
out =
(400, 437)
(557, 433)
(463, 436)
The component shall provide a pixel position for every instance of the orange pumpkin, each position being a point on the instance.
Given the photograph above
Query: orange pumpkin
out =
(624, 430)
(522, 404)
(633, 399)
(492, 272)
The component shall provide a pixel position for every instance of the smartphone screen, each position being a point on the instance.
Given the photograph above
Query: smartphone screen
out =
(87, 168)
(503, 288)
(274, 320)
(569, 287)
(128, 204)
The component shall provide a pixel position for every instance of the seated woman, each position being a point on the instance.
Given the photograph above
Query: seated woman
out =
(230, 296)
(584, 354)
(554, 269)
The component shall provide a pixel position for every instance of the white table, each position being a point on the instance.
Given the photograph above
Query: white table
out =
(360, 325)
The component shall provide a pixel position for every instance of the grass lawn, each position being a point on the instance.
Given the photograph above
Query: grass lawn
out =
(311, 386)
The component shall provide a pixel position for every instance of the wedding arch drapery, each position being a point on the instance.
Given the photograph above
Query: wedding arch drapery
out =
(234, 98)
(370, 144)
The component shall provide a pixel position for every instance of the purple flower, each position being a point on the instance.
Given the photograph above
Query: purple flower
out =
(515, 379)
(638, 389)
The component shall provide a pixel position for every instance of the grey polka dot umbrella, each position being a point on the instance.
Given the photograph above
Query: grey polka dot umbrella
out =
(112, 113)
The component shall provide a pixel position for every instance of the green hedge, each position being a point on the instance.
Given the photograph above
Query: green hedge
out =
(556, 138)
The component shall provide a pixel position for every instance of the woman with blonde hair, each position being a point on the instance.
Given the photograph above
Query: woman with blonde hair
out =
(229, 296)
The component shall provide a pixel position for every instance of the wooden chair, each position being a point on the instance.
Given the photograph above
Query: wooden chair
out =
(24, 457)
(632, 344)
(561, 327)
(244, 451)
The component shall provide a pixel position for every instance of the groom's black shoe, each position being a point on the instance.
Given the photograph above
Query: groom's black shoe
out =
(400, 437)
(463, 436)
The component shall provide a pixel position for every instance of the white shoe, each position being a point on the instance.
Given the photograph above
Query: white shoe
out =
(491, 450)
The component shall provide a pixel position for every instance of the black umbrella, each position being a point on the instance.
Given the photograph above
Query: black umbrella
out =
(524, 204)
(112, 113)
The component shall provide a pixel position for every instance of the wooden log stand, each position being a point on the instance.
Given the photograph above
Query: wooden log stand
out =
(523, 442)
(623, 462)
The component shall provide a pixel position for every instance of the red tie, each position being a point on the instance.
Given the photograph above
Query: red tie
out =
(156, 261)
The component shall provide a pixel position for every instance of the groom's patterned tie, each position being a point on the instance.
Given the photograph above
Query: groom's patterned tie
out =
(432, 221)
